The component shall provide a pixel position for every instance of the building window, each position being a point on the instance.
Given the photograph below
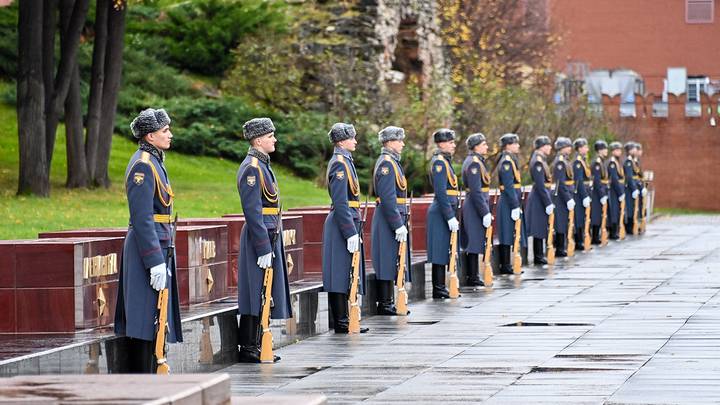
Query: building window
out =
(699, 11)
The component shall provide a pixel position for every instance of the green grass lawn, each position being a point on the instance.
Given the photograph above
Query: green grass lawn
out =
(204, 187)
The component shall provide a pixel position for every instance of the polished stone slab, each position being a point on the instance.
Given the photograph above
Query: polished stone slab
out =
(636, 322)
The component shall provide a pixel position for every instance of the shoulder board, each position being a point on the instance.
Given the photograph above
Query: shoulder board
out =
(561, 158)
(508, 158)
(476, 159)
(340, 158)
(388, 158)
(254, 162)
(145, 157)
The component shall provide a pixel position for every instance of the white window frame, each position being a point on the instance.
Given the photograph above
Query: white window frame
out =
(688, 4)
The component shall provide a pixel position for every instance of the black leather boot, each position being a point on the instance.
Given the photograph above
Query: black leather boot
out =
(629, 226)
(613, 231)
(473, 271)
(579, 239)
(539, 252)
(386, 298)
(595, 234)
(505, 265)
(249, 335)
(439, 290)
(560, 245)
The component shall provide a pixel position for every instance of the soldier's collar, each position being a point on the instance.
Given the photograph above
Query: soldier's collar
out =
(478, 155)
(262, 156)
(447, 156)
(391, 153)
(145, 146)
(342, 151)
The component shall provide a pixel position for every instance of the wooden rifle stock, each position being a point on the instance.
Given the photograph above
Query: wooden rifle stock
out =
(487, 266)
(603, 225)
(621, 221)
(587, 241)
(517, 259)
(354, 323)
(160, 338)
(636, 208)
(571, 233)
(551, 239)
(266, 345)
(402, 301)
(454, 284)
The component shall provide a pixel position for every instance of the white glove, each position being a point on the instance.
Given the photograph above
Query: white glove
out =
(453, 224)
(603, 200)
(487, 220)
(265, 261)
(549, 209)
(635, 194)
(515, 214)
(158, 276)
(644, 192)
(621, 198)
(353, 243)
(571, 205)
(401, 234)
(586, 202)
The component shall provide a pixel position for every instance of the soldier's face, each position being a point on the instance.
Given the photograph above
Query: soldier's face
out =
(545, 149)
(161, 138)
(395, 145)
(603, 152)
(348, 144)
(266, 143)
(583, 150)
(617, 152)
(513, 147)
(482, 148)
(447, 146)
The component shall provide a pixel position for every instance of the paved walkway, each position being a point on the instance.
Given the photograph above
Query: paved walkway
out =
(636, 322)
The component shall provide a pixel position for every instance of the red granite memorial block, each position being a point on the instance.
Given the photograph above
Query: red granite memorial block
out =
(7, 314)
(313, 221)
(86, 233)
(293, 243)
(418, 213)
(201, 257)
(7, 265)
(61, 284)
(367, 230)
(234, 227)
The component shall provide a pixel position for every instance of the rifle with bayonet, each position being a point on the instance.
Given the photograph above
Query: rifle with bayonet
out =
(571, 233)
(551, 231)
(161, 324)
(354, 323)
(454, 282)
(266, 345)
(517, 259)
(402, 300)
(587, 240)
(487, 265)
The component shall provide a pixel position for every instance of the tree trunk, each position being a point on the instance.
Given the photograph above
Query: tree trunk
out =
(111, 88)
(69, 44)
(74, 133)
(96, 87)
(33, 173)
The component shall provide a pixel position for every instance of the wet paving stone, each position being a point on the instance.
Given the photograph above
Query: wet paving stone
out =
(636, 322)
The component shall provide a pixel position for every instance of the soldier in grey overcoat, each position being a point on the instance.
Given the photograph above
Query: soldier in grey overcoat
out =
(148, 265)
(442, 213)
(261, 242)
(341, 232)
(389, 223)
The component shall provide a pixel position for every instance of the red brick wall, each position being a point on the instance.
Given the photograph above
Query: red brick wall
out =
(683, 152)
(647, 36)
